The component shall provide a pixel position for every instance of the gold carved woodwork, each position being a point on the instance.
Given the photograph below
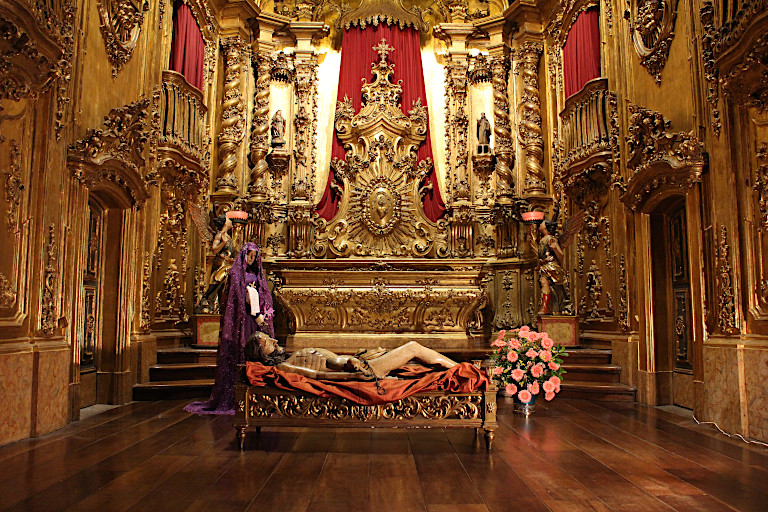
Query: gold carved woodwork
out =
(623, 311)
(146, 275)
(436, 407)
(590, 304)
(587, 143)
(568, 13)
(462, 222)
(338, 302)
(652, 24)
(761, 183)
(48, 320)
(232, 113)
(7, 292)
(257, 187)
(457, 124)
(380, 211)
(120, 24)
(734, 50)
(13, 188)
(36, 45)
(663, 161)
(180, 132)
(113, 156)
(505, 182)
(529, 110)
(726, 318)
(373, 12)
(305, 130)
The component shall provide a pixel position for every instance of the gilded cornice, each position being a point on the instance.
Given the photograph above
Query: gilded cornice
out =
(664, 162)
(114, 154)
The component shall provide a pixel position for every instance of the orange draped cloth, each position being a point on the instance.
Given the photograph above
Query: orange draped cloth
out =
(412, 379)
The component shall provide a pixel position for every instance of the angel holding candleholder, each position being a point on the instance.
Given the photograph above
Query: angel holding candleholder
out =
(550, 249)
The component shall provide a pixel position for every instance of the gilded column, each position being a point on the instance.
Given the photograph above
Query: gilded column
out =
(505, 184)
(460, 123)
(257, 187)
(529, 128)
(232, 114)
(305, 123)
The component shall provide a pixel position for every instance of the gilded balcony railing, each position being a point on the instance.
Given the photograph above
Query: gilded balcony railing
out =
(586, 121)
(182, 118)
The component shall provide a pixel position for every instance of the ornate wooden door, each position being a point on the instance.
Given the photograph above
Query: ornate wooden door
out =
(91, 289)
(680, 317)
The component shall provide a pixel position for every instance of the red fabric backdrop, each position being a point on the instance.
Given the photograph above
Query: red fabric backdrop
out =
(581, 55)
(187, 46)
(357, 55)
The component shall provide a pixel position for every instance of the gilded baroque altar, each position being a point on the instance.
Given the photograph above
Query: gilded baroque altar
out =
(375, 278)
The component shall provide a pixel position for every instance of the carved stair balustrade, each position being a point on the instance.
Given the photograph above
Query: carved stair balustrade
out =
(664, 162)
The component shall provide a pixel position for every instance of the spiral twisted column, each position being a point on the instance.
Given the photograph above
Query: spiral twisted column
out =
(529, 113)
(505, 182)
(232, 114)
(257, 187)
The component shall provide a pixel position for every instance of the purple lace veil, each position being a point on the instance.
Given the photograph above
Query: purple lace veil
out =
(236, 327)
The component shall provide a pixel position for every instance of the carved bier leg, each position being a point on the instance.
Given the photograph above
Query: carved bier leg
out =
(240, 434)
(489, 435)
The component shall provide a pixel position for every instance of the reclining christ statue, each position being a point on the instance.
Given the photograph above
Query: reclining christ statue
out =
(322, 364)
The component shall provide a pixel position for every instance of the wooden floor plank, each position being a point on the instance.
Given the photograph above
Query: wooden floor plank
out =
(571, 455)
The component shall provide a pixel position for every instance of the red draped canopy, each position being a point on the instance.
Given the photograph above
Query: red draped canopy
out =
(357, 55)
(187, 46)
(581, 54)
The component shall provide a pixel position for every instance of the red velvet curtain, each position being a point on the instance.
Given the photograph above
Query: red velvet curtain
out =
(581, 55)
(187, 46)
(357, 55)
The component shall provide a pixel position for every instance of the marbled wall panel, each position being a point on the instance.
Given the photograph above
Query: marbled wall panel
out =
(15, 396)
(721, 387)
(756, 377)
(52, 395)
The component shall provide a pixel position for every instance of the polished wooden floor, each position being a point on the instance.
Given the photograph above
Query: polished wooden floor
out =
(571, 455)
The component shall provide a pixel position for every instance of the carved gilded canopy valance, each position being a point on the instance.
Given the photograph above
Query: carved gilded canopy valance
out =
(373, 12)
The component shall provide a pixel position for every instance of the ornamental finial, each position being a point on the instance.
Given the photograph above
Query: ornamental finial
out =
(383, 48)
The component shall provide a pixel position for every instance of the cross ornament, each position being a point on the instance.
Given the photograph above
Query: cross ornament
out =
(383, 48)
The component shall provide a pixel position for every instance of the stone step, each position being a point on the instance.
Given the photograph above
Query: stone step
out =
(186, 355)
(605, 373)
(605, 392)
(182, 371)
(173, 389)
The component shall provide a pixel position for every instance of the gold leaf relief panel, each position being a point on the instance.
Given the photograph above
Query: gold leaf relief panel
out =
(757, 243)
(14, 217)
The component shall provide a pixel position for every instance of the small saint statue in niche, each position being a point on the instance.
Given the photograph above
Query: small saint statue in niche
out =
(277, 130)
(483, 135)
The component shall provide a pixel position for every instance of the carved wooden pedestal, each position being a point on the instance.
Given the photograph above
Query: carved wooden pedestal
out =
(348, 304)
(563, 329)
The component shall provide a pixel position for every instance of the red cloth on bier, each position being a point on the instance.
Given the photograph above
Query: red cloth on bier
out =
(412, 379)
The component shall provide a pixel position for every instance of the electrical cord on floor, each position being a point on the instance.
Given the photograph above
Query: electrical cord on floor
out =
(748, 441)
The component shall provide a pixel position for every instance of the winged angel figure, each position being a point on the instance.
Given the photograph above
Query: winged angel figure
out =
(550, 248)
(216, 232)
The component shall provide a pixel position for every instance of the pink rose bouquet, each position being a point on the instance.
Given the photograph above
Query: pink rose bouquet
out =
(527, 362)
